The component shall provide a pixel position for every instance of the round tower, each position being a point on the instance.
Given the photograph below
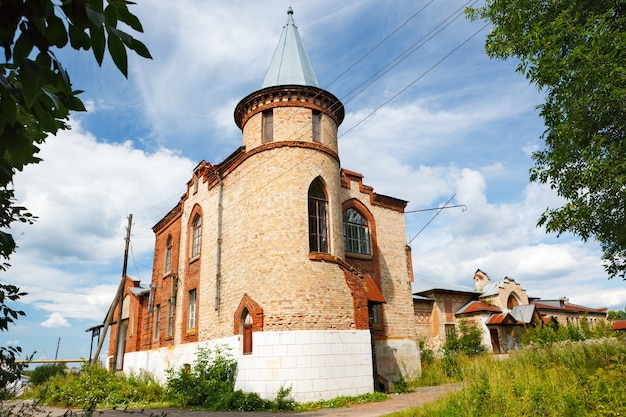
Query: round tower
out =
(283, 212)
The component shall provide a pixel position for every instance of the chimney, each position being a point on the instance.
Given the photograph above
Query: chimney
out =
(480, 280)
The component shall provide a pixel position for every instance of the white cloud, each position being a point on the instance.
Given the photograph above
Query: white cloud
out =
(83, 192)
(56, 319)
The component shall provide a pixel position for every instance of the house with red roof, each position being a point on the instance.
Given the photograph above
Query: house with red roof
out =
(502, 309)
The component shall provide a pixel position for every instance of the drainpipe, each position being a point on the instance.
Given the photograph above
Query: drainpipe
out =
(218, 255)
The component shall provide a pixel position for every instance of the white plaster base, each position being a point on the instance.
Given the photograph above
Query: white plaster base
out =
(316, 365)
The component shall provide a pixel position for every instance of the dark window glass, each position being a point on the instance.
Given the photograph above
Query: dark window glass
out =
(318, 218)
(356, 235)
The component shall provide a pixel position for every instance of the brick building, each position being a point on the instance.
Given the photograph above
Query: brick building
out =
(281, 254)
(502, 309)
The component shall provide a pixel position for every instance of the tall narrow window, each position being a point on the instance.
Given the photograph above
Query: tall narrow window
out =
(191, 310)
(170, 319)
(157, 321)
(247, 333)
(168, 256)
(316, 120)
(318, 218)
(267, 125)
(196, 239)
(356, 235)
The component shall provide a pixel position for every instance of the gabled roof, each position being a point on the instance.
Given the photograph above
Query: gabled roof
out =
(523, 313)
(477, 307)
(502, 318)
(566, 307)
(290, 63)
(618, 325)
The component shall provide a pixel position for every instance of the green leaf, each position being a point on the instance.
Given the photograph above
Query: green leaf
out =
(118, 53)
(30, 78)
(140, 48)
(55, 32)
(124, 15)
(98, 42)
(96, 18)
(79, 38)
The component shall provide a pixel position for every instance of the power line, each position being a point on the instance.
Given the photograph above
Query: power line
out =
(439, 210)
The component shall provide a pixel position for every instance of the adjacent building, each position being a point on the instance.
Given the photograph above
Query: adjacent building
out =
(501, 309)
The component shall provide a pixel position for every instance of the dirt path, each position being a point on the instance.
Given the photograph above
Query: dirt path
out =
(394, 403)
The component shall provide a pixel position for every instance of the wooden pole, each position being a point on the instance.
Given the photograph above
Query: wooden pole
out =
(117, 301)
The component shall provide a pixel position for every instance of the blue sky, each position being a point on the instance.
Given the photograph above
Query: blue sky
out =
(463, 126)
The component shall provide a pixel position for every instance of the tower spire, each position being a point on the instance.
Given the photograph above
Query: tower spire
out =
(290, 63)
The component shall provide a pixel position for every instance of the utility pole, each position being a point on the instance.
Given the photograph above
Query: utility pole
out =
(56, 355)
(118, 300)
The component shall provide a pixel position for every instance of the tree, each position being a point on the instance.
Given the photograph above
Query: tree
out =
(616, 315)
(575, 52)
(36, 94)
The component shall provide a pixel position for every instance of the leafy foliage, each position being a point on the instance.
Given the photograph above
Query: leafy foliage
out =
(544, 335)
(44, 372)
(95, 387)
(10, 370)
(36, 94)
(574, 51)
(36, 97)
(209, 383)
(468, 340)
(617, 314)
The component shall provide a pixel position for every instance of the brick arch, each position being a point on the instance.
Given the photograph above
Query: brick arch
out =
(362, 208)
(255, 310)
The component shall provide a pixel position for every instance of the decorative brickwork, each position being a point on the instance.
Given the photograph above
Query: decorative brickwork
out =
(255, 310)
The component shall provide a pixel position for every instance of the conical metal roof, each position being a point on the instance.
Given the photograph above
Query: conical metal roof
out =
(290, 63)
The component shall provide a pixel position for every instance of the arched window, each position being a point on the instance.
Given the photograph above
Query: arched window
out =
(512, 301)
(168, 256)
(196, 239)
(356, 234)
(247, 332)
(318, 218)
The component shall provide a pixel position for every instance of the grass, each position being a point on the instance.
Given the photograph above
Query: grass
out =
(572, 379)
(343, 401)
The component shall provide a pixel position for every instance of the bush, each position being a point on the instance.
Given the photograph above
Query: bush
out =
(209, 383)
(43, 373)
(209, 380)
(95, 387)
(468, 340)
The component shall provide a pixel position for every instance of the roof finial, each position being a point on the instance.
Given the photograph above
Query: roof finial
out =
(289, 10)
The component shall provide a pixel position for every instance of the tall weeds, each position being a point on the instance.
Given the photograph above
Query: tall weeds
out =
(566, 379)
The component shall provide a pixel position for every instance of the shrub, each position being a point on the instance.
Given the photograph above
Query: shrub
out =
(95, 387)
(43, 373)
(468, 340)
(209, 380)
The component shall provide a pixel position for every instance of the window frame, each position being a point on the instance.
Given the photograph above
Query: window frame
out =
(169, 331)
(356, 235)
(169, 244)
(196, 236)
(157, 322)
(267, 125)
(318, 218)
(246, 326)
(192, 308)
(316, 126)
